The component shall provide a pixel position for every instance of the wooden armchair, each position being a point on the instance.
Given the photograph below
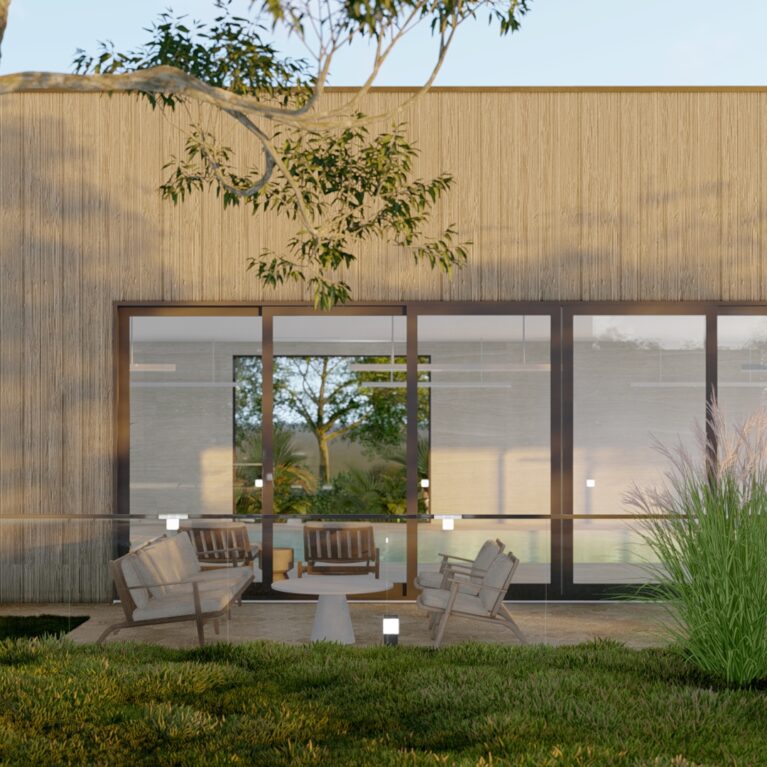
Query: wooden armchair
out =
(474, 569)
(342, 548)
(221, 544)
(483, 603)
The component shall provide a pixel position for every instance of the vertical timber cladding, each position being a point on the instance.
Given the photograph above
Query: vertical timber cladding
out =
(566, 194)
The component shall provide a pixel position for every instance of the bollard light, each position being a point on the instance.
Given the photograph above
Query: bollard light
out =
(425, 484)
(172, 521)
(448, 520)
(391, 630)
(259, 483)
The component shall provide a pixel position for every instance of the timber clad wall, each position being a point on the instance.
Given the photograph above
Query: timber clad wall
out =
(569, 194)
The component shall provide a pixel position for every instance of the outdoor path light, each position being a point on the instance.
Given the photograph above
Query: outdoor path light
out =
(391, 630)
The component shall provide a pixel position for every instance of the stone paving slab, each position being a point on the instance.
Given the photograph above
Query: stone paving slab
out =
(635, 624)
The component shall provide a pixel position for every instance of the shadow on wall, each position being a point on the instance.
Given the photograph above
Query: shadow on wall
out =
(73, 237)
(674, 245)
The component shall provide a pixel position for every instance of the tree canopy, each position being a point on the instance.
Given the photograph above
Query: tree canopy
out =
(333, 170)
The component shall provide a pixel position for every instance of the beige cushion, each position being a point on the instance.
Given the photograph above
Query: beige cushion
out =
(497, 577)
(233, 578)
(167, 561)
(429, 580)
(487, 554)
(464, 603)
(187, 553)
(180, 601)
(434, 580)
(229, 575)
(134, 580)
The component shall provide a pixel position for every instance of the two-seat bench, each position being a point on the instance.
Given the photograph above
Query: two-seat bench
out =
(163, 582)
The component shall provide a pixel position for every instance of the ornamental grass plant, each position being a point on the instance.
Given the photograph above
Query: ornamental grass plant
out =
(709, 532)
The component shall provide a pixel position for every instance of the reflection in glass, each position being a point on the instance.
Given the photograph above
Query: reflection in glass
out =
(183, 394)
(488, 448)
(340, 415)
(340, 425)
(742, 366)
(635, 378)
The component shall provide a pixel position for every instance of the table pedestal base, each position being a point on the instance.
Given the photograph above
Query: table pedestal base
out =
(332, 622)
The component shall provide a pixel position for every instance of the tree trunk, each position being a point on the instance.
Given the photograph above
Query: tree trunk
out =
(324, 447)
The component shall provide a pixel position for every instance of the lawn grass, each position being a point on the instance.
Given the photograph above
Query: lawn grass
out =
(28, 626)
(273, 705)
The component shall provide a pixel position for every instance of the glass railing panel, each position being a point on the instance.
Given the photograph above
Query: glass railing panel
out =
(528, 540)
(638, 379)
(612, 551)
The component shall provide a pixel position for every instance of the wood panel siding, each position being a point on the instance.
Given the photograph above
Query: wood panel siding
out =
(566, 194)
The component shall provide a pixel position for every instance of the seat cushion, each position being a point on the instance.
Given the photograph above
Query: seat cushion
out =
(233, 578)
(180, 601)
(429, 580)
(434, 580)
(464, 603)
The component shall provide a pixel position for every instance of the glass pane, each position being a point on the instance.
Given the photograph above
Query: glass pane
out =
(529, 539)
(635, 378)
(742, 366)
(487, 450)
(339, 415)
(195, 421)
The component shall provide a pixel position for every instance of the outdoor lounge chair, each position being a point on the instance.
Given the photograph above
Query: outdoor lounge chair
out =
(473, 569)
(340, 548)
(485, 604)
(221, 543)
(163, 582)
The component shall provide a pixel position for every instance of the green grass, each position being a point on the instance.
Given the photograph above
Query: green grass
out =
(274, 705)
(29, 626)
(711, 536)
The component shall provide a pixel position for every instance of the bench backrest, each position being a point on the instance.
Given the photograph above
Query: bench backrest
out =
(486, 556)
(221, 543)
(341, 542)
(496, 582)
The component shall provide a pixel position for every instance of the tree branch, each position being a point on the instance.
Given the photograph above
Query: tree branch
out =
(162, 79)
(4, 6)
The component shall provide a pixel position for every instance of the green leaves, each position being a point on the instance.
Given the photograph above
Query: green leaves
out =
(228, 53)
(712, 543)
(344, 183)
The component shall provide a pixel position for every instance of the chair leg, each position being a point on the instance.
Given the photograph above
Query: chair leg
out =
(511, 624)
(106, 633)
(216, 626)
(200, 633)
(441, 629)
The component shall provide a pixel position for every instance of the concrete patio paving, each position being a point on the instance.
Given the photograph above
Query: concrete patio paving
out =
(635, 624)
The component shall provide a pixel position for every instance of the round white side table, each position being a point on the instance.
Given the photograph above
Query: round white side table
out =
(332, 622)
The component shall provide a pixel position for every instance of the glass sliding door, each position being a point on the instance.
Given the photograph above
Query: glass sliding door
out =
(487, 451)
(195, 419)
(531, 427)
(339, 427)
(742, 366)
(635, 379)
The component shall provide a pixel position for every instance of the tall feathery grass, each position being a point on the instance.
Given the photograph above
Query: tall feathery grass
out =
(711, 538)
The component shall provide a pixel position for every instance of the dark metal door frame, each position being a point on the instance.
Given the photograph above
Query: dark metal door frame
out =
(562, 314)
